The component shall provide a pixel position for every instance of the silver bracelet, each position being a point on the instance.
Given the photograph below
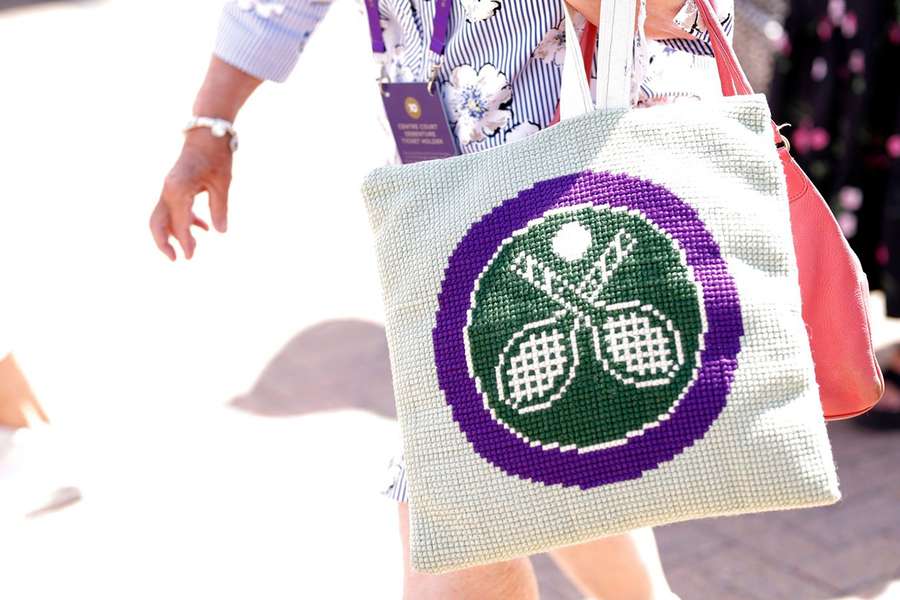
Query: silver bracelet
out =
(217, 127)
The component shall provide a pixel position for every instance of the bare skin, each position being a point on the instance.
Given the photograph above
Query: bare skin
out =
(660, 16)
(18, 406)
(624, 567)
(621, 567)
(204, 164)
(509, 579)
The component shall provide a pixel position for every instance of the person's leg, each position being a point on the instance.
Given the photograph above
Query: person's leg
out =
(33, 473)
(622, 567)
(499, 581)
(18, 406)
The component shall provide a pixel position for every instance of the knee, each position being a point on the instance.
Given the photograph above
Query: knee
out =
(499, 581)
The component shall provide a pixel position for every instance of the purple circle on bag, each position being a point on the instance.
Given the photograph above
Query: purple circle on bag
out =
(703, 399)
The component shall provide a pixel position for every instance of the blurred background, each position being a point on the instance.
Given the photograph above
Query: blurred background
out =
(228, 421)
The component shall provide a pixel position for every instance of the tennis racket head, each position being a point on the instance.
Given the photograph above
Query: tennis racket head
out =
(617, 251)
(538, 363)
(638, 345)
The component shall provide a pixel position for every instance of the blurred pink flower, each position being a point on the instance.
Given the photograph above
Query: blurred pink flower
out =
(848, 223)
(836, 10)
(893, 146)
(819, 69)
(806, 138)
(783, 45)
(857, 62)
(850, 197)
(824, 30)
(820, 139)
(849, 25)
(882, 255)
(894, 33)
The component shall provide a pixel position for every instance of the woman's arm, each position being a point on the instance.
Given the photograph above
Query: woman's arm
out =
(660, 16)
(670, 20)
(224, 90)
(257, 40)
(204, 164)
(264, 37)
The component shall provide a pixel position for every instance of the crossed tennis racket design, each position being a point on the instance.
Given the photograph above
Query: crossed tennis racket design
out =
(639, 345)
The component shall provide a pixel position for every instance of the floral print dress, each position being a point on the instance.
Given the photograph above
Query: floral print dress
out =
(501, 70)
(500, 74)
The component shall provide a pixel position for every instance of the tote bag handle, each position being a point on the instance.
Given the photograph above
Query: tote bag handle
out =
(615, 55)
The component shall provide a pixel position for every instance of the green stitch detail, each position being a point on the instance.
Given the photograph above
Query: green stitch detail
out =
(584, 329)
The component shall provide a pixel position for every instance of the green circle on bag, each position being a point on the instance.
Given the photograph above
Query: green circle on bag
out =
(584, 329)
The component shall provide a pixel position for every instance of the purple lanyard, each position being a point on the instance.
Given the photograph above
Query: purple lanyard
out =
(440, 24)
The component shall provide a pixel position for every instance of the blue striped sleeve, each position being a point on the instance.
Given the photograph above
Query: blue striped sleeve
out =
(265, 38)
(689, 20)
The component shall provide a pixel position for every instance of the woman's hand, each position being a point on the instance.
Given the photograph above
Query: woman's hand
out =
(660, 16)
(204, 164)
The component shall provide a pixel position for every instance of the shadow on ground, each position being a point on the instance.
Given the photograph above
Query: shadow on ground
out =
(332, 365)
(851, 549)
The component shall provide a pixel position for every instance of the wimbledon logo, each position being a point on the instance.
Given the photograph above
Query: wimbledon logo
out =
(587, 330)
(584, 329)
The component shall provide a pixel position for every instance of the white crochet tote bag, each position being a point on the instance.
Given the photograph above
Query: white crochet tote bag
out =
(598, 328)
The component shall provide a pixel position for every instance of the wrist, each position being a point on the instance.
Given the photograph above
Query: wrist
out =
(215, 108)
(203, 139)
(215, 127)
(224, 91)
(216, 104)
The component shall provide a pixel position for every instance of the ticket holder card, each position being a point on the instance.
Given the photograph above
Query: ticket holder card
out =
(418, 121)
(415, 110)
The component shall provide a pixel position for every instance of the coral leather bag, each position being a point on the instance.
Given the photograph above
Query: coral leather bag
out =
(833, 286)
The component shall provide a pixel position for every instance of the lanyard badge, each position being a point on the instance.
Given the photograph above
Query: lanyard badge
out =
(414, 110)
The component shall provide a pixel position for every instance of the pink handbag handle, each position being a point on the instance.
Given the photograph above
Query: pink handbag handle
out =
(731, 75)
(833, 285)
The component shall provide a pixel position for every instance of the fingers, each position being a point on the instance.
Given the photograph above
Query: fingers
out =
(159, 228)
(181, 220)
(218, 208)
(198, 222)
(197, 170)
(174, 216)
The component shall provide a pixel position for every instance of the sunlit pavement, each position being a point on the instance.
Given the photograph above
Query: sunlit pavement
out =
(229, 419)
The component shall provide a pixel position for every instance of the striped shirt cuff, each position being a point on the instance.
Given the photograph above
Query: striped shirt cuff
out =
(689, 20)
(266, 47)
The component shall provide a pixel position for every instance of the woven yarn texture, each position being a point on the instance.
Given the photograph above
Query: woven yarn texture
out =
(597, 328)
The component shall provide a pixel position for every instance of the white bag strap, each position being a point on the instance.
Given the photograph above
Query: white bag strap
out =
(574, 91)
(615, 56)
(615, 48)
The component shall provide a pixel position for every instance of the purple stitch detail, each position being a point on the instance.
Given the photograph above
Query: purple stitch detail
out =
(700, 406)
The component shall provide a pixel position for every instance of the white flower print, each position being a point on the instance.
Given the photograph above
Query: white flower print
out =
(521, 131)
(395, 70)
(479, 10)
(552, 49)
(474, 101)
(393, 34)
(263, 9)
(392, 60)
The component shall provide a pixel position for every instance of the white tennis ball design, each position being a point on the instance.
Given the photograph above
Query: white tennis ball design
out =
(572, 241)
